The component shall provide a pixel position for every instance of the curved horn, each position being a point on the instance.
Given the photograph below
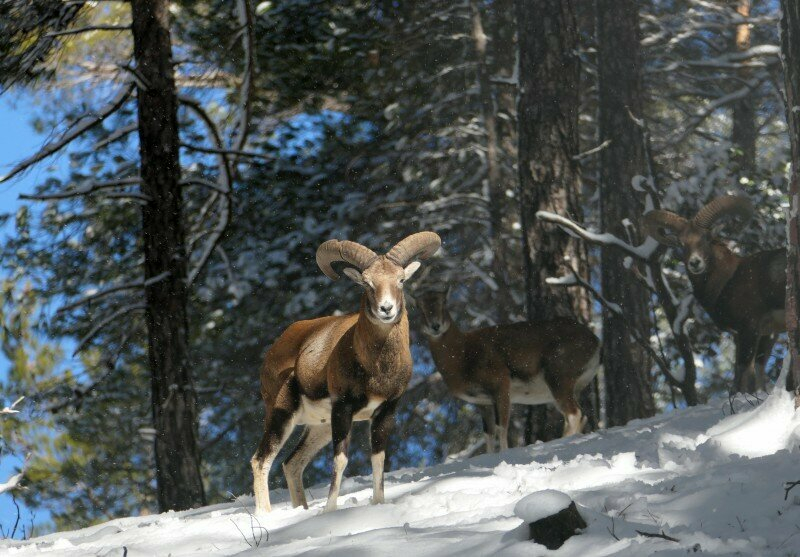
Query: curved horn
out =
(355, 254)
(415, 247)
(656, 220)
(722, 207)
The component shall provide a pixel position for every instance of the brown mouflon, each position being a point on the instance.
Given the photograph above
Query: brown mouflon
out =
(324, 373)
(520, 363)
(743, 295)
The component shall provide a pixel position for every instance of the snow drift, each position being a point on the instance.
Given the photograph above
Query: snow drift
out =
(710, 481)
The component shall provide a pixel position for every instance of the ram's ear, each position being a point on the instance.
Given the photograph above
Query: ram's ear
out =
(354, 275)
(410, 269)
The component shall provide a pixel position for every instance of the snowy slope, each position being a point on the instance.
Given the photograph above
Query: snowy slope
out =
(713, 482)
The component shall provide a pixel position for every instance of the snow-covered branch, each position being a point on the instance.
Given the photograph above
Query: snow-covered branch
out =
(13, 408)
(13, 481)
(642, 252)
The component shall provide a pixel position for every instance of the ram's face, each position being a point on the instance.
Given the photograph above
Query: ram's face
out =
(383, 285)
(696, 244)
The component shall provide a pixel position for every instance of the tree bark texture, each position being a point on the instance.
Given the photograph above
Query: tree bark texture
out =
(744, 133)
(548, 105)
(179, 484)
(790, 54)
(627, 365)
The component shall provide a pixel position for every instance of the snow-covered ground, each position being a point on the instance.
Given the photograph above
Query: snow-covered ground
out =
(709, 479)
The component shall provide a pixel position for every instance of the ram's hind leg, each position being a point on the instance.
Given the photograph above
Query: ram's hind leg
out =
(489, 426)
(763, 353)
(744, 375)
(502, 411)
(562, 372)
(314, 438)
(277, 427)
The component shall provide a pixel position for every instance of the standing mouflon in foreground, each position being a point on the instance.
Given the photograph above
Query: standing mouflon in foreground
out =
(522, 363)
(743, 295)
(324, 373)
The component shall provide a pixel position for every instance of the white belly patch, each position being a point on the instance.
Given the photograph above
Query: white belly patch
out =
(316, 412)
(531, 392)
(475, 398)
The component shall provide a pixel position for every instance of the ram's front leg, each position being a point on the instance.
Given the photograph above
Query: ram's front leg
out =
(744, 375)
(502, 411)
(341, 423)
(380, 428)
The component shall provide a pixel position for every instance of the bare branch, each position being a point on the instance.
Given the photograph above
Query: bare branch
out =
(89, 29)
(86, 189)
(116, 135)
(662, 535)
(75, 132)
(787, 487)
(125, 310)
(225, 181)
(245, 16)
(662, 364)
(700, 116)
(96, 295)
(195, 181)
(590, 152)
(234, 152)
(208, 122)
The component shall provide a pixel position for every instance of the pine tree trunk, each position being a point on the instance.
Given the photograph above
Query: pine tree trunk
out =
(627, 365)
(790, 51)
(743, 135)
(179, 483)
(496, 185)
(549, 79)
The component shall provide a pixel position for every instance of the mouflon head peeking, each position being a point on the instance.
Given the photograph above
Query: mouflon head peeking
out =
(697, 237)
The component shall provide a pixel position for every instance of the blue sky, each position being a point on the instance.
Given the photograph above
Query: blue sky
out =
(17, 141)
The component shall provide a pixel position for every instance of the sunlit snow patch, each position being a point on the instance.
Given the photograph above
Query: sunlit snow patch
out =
(770, 427)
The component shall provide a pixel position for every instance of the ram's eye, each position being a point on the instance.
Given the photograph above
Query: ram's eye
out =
(402, 280)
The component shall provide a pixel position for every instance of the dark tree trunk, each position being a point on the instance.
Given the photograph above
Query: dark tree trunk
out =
(743, 135)
(179, 483)
(549, 179)
(627, 365)
(549, 77)
(790, 50)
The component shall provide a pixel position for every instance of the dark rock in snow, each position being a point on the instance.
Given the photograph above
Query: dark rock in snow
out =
(552, 517)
